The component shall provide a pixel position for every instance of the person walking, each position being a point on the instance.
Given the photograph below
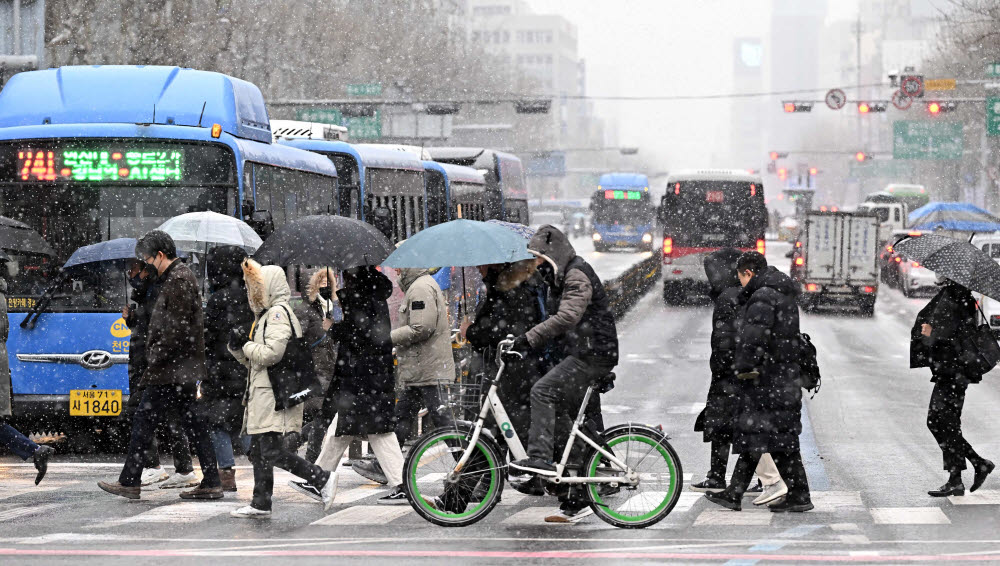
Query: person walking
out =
(316, 316)
(175, 363)
(718, 418)
(770, 414)
(425, 359)
(364, 394)
(10, 438)
(274, 326)
(223, 390)
(141, 279)
(937, 342)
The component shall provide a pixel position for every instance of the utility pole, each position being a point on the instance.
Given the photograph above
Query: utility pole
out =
(861, 137)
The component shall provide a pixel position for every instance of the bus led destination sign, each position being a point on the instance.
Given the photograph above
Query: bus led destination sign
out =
(623, 195)
(100, 165)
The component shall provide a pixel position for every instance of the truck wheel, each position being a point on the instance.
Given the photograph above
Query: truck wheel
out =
(867, 309)
(672, 294)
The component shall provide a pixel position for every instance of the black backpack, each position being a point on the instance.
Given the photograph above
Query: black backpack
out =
(293, 378)
(808, 366)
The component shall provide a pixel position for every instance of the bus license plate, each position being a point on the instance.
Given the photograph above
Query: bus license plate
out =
(95, 402)
(715, 196)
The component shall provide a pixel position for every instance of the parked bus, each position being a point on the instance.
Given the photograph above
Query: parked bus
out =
(89, 154)
(623, 212)
(702, 211)
(453, 192)
(378, 184)
(506, 189)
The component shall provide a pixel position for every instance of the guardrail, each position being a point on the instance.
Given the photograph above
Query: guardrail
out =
(625, 290)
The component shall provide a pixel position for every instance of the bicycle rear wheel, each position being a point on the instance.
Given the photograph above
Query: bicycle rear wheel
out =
(461, 503)
(649, 454)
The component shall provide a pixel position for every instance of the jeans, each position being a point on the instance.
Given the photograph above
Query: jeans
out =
(560, 391)
(222, 443)
(789, 465)
(267, 450)
(410, 402)
(944, 419)
(13, 440)
(161, 404)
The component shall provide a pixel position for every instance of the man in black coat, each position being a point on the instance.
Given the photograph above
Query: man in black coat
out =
(222, 392)
(936, 341)
(770, 417)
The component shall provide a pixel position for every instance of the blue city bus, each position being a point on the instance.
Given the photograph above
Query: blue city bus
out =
(623, 212)
(376, 183)
(89, 154)
(453, 191)
(506, 195)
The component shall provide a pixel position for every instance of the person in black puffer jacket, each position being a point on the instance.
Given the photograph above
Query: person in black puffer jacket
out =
(936, 341)
(222, 392)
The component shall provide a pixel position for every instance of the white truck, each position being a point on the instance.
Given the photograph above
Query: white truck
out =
(840, 250)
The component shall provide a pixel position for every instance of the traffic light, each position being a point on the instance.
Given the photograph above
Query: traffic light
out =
(872, 106)
(775, 155)
(792, 106)
(937, 107)
(861, 157)
(813, 171)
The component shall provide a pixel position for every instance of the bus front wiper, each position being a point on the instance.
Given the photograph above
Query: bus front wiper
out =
(43, 302)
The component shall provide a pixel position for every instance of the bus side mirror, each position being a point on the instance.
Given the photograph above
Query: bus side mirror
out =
(262, 222)
(383, 221)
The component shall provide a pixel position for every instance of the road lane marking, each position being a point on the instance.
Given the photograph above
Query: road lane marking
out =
(18, 512)
(365, 515)
(909, 516)
(185, 511)
(836, 500)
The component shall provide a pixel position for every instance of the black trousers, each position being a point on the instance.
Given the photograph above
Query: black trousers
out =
(944, 419)
(789, 465)
(161, 404)
(267, 451)
(179, 450)
(411, 400)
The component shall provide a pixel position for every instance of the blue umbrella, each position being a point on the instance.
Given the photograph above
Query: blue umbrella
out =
(121, 248)
(957, 216)
(460, 243)
(525, 232)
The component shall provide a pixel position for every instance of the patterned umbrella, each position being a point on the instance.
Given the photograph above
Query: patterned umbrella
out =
(525, 232)
(957, 260)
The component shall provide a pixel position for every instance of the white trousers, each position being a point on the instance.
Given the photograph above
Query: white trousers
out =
(385, 446)
(767, 471)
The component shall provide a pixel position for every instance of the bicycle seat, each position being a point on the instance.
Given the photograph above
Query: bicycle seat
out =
(604, 383)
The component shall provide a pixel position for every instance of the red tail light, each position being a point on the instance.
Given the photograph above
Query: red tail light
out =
(899, 260)
(798, 244)
(753, 189)
(869, 289)
(677, 188)
(668, 246)
(811, 287)
(915, 264)
(760, 247)
(800, 261)
(888, 249)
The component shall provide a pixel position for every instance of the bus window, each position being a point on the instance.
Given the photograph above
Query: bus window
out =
(349, 181)
(289, 194)
(397, 190)
(437, 204)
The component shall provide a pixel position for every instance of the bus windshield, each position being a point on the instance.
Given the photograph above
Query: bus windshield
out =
(76, 193)
(714, 213)
(621, 207)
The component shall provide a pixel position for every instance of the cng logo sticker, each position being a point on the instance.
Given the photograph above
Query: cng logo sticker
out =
(119, 329)
(508, 431)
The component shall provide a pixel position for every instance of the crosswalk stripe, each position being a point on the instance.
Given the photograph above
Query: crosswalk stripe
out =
(981, 497)
(185, 511)
(747, 517)
(365, 515)
(534, 516)
(357, 494)
(909, 516)
(6, 492)
(17, 512)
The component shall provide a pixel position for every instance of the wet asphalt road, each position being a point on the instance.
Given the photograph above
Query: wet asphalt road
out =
(869, 457)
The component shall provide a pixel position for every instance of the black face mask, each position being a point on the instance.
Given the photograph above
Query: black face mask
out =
(547, 273)
(326, 293)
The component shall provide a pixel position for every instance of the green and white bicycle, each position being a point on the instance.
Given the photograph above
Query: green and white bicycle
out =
(455, 475)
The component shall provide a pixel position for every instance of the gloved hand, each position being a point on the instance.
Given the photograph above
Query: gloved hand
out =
(237, 338)
(748, 375)
(521, 344)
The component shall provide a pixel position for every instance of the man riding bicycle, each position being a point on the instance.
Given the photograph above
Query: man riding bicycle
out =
(582, 330)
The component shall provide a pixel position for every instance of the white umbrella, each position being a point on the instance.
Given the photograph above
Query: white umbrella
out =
(198, 231)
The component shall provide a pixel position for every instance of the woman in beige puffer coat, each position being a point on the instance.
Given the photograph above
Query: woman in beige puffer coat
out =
(273, 327)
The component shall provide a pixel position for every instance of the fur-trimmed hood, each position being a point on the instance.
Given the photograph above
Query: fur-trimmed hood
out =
(321, 278)
(515, 274)
(266, 285)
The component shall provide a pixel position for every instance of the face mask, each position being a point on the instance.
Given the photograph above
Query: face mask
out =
(326, 293)
(137, 282)
(547, 272)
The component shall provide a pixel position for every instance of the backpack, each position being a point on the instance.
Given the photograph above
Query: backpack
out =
(293, 378)
(808, 366)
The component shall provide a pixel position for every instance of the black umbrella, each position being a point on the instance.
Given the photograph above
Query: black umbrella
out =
(19, 237)
(325, 240)
(957, 260)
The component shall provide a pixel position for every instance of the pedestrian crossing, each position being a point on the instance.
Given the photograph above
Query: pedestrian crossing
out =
(846, 513)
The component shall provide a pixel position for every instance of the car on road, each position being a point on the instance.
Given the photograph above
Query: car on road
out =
(915, 279)
(990, 244)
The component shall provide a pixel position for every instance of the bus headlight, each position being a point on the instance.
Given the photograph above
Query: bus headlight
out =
(597, 237)
(647, 238)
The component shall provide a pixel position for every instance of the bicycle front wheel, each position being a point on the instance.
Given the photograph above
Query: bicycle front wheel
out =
(647, 452)
(453, 504)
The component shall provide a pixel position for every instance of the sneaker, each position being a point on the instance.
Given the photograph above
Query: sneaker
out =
(307, 489)
(532, 485)
(180, 481)
(396, 497)
(726, 499)
(569, 514)
(120, 490)
(154, 475)
(202, 493)
(786, 506)
(772, 493)
(372, 470)
(329, 491)
(43, 453)
(756, 488)
(534, 466)
(713, 485)
(250, 512)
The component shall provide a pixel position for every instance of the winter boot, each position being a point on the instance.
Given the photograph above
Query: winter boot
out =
(228, 478)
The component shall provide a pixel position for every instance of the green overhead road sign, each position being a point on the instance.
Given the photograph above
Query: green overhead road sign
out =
(364, 89)
(358, 127)
(874, 168)
(993, 69)
(993, 116)
(927, 139)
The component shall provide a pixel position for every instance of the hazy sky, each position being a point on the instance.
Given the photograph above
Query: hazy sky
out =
(668, 47)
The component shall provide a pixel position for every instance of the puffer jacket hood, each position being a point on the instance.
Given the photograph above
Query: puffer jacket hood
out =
(553, 246)
(407, 275)
(720, 269)
(225, 266)
(266, 285)
(321, 278)
(773, 279)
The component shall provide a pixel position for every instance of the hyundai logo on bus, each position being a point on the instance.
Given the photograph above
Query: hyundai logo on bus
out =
(95, 359)
(91, 359)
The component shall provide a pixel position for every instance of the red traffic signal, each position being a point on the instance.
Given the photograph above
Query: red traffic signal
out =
(861, 156)
(797, 106)
(934, 108)
(782, 173)
(863, 108)
(813, 171)
(774, 155)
